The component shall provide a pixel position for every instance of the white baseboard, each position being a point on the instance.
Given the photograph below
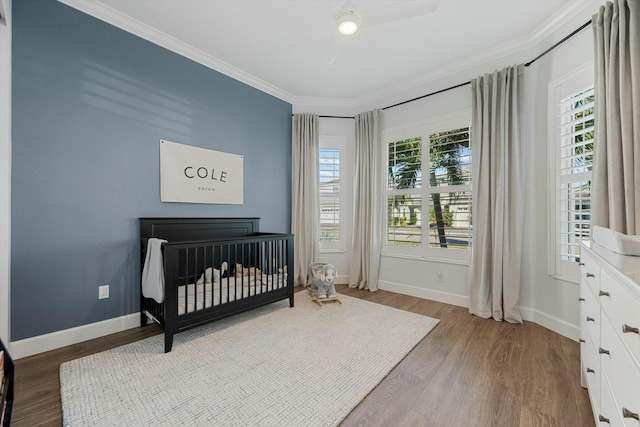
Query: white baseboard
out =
(430, 294)
(552, 323)
(545, 320)
(30, 346)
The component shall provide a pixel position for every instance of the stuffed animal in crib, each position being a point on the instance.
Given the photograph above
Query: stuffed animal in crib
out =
(209, 272)
(322, 278)
(246, 271)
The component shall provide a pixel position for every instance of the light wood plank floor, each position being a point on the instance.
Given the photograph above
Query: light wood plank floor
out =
(467, 372)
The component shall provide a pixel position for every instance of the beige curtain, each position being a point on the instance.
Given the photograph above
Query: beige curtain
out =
(304, 204)
(498, 194)
(369, 203)
(616, 159)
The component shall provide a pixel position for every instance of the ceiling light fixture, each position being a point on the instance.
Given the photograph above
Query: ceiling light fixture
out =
(348, 24)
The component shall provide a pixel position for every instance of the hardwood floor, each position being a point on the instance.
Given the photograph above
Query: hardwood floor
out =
(467, 372)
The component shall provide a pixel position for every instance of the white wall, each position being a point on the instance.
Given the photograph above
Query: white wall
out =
(544, 299)
(5, 170)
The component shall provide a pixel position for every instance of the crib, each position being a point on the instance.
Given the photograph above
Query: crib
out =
(214, 268)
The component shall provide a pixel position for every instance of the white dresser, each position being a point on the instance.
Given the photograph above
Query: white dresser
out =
(609, 334)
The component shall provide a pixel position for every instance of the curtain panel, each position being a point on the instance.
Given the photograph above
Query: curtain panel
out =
(498, 194)
(369, 202)
(305, 194)
(616, 158)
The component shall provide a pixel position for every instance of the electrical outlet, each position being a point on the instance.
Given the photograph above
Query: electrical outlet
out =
(440, 277)
(103, 291)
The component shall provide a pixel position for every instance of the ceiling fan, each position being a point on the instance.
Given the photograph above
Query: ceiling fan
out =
(349, 19)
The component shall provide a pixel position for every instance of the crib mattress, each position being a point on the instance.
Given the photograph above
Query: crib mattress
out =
(194, 297)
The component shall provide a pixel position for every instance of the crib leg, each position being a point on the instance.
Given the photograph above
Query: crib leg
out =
(291, 294)
(168, 342)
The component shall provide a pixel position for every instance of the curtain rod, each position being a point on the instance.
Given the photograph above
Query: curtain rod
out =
(429, 94)
(576, 31)
(333, 117)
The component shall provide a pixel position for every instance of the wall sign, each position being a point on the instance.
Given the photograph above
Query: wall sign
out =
(196, 175)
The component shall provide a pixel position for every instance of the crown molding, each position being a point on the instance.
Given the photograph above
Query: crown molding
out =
(319, 101)
(111, 16)
(559, 19)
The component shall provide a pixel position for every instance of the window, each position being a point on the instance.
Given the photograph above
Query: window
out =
(329, 194)
(450, 189)
(442, 197)
(405, 196)
(332, 151)
(572, 156)
(575, 142)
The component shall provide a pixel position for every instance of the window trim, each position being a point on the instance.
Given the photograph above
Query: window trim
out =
(424, 129)
(558, 89)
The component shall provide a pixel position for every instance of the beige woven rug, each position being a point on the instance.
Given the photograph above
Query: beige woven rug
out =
(273, 366)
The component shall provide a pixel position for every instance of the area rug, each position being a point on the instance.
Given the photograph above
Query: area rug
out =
(272, 366)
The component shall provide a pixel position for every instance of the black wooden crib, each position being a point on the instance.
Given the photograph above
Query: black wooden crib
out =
(214, 268)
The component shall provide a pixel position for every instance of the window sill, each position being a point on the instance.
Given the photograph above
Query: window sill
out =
(333, 251)
(428, 259)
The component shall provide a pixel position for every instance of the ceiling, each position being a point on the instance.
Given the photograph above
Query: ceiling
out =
(290, 48)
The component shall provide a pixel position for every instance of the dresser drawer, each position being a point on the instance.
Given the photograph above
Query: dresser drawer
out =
(590, 317)
(608, 414)
(623, 310)
(590, 272)
(591, 372)
(622, 374)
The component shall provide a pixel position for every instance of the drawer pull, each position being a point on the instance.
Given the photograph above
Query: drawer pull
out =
(591, 275)
(626, 329)
(603, 419)
(604, 294)
(580, 299)
(603, 351)
(628, 414)
(581, 264)
(581, 340)
(591, 371)
(590, 319)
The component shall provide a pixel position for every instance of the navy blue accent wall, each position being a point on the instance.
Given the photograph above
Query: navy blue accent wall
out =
(90, 105)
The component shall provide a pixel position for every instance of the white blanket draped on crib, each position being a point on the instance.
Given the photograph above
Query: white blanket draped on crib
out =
(153, 271)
